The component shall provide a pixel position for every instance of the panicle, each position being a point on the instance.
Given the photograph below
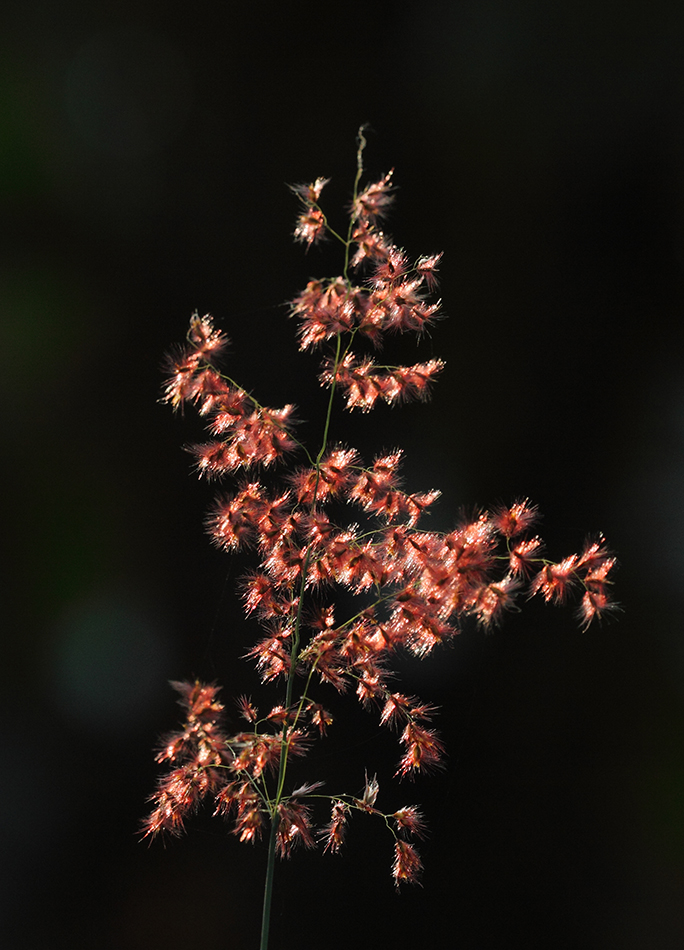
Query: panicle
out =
(406, 588)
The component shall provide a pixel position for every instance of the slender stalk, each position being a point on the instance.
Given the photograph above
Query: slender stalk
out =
(294, 653)
(282, 766)
(268, 886)
(361, 144)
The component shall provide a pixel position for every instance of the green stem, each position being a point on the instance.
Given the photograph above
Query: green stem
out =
(294, 652)
(268, 887)
(361, 144)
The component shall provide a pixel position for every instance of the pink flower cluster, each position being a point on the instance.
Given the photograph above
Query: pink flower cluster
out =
(334, 522)
(206, 763)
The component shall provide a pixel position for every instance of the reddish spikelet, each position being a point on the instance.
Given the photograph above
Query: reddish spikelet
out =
(374, 200)
(417, 622)
(196, 752)
(249, 823)
(375, 489)
(595, 554)
(234, 519)
(494, 599)
(334, 832)
(399, 709)
(320, 718)
(325, 311)
(510, 522)
(428, 267)
(310, 194)
(247, 710)
(424, 750)
(226, 409)
(181, 385)
(323, 655)
(407, 865)
(241, 798)
(364, 385)
(257, 753)
(294, 827)
(524, 555)
(371, 244)
(370, 680)
(310, 226)
(212, 391)
(390, 268)
(257, 439)
(207, 342)
(270, 600)
(400, 307)
(272, 655)
(311, 222)
(192, 378)
(554, 581)
(410, 821)
(330, 479)
(596, 601)
(175, 798)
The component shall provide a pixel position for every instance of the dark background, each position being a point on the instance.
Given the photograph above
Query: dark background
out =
(145, 154)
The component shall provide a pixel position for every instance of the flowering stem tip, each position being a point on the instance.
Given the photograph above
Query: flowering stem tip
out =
(345, 576)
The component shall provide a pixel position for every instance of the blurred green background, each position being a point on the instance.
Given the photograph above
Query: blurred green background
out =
(144, 155)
